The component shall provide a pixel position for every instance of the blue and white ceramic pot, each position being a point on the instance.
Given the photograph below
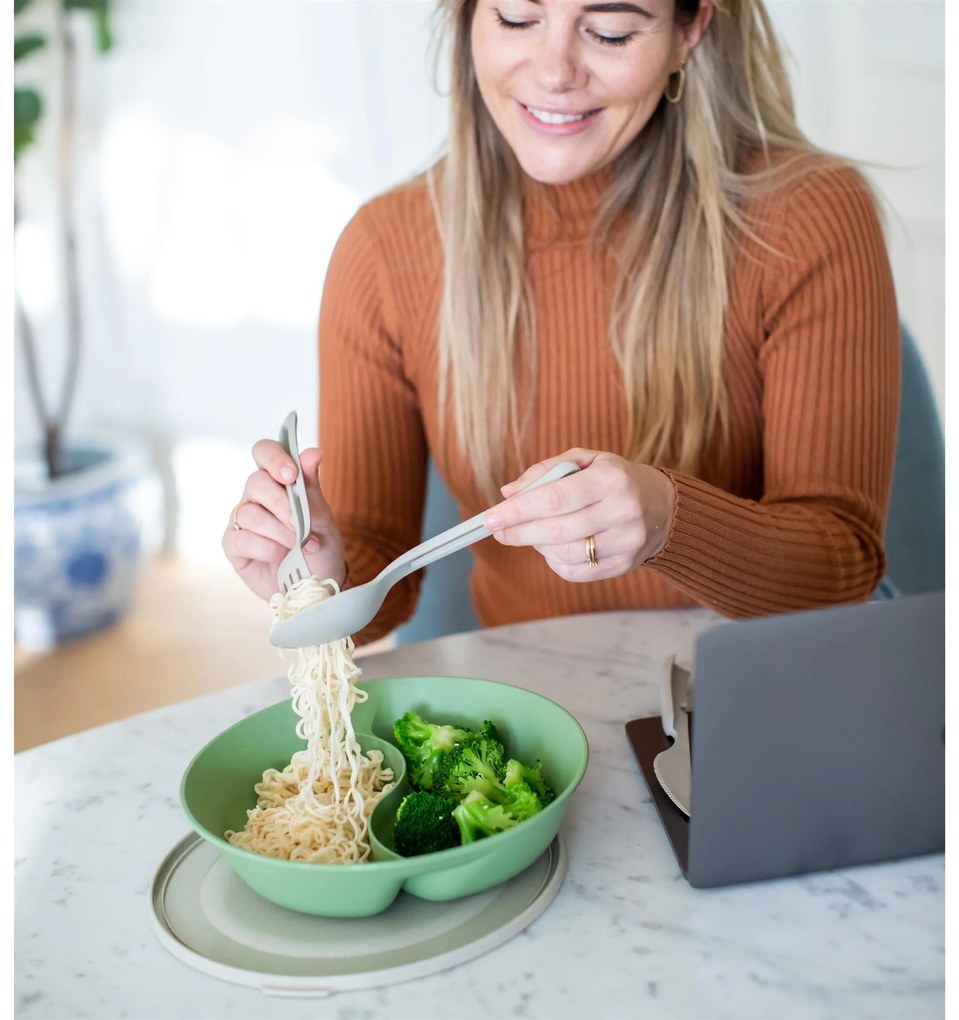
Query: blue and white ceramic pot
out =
(77, 540)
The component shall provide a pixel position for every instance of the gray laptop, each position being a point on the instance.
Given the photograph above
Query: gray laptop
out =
(818, 741)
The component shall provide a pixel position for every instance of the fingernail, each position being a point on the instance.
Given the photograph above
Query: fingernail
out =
(313, 545)
(288, 474)
(492, 521)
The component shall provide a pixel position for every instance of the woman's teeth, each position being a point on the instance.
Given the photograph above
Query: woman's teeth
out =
(556, 118)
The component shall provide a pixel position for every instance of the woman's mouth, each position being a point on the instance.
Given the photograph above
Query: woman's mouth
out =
(557, 122)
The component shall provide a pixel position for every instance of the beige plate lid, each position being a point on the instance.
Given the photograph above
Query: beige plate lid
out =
(205, 915)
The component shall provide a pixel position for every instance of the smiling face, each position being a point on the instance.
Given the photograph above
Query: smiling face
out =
(569, 83)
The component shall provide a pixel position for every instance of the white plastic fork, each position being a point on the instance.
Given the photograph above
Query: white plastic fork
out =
(351, 610)
(294, 567)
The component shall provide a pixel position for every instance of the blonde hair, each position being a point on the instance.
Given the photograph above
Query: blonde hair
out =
(684, 181)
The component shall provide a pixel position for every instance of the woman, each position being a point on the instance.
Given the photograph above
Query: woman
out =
(631, 257)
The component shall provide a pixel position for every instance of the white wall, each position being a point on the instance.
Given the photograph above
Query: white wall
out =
(869, 77)
(227, 142)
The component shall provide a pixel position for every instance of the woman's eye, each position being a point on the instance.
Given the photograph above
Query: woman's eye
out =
(504, 23)
(612, 40)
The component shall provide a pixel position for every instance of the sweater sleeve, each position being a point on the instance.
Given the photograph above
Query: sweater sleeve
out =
(829, 361)
(373, 471)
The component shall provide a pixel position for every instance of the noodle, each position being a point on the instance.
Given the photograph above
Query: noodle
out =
(317, 809)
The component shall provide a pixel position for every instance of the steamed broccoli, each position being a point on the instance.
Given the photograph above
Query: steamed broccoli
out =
(517, 772)
(522, 801)
(464, 787)
(489, 731)
(424, 823)
(423, 745)
(477, 817)
(474, 765)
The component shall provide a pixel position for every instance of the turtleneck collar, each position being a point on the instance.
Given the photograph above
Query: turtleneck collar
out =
(563, 212)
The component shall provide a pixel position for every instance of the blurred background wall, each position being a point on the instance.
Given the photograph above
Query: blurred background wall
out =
(225, 143)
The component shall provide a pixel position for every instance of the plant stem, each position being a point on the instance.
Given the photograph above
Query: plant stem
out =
(51, 445)
(67, 160)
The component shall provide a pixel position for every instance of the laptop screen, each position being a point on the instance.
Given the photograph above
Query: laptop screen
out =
(818, 742)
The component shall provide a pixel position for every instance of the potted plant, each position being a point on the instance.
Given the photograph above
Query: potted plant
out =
(77, 503)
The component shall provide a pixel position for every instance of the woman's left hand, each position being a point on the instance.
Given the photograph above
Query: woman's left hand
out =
(625, 508)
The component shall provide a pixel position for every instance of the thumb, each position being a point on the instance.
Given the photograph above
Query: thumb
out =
(311, 460)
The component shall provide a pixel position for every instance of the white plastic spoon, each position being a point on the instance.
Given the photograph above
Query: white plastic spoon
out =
(351, 610)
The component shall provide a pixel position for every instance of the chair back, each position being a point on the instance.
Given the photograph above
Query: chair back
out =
(916, 524)
(445, 606)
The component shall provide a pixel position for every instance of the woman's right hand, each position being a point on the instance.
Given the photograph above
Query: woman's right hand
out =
(260, 532)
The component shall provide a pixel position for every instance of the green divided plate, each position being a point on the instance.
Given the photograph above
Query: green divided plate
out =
(217, 791)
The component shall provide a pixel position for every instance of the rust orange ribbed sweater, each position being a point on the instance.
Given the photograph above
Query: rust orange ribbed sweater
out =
(812, 369)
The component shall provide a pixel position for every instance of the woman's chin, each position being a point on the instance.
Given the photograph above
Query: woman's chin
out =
(555, 176)
(559, 172)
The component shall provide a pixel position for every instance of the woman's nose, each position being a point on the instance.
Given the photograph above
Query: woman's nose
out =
(556, 64)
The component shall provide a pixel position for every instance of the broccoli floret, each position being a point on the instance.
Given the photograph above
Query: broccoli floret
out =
(522, 801)
(475, 765)
(478, 817)
(517, 772)
(425, 823)
(423, 745)
(489, 731)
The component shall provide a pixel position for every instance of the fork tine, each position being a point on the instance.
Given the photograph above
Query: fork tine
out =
(293, 568)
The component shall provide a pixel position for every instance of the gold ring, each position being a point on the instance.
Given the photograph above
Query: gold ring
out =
(236, 510)
(591, 551)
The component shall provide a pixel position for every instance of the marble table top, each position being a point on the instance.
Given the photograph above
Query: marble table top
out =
(97, 812)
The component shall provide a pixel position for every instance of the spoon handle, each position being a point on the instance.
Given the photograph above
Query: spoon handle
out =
(462, 535)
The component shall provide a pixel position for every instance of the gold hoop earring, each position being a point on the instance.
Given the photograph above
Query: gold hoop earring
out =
(679, 89)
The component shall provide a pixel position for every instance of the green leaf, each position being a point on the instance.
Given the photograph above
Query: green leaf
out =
(100, 11)
(29, 42)
(23, 138)
(19, 5)
(27, 111)
(104, 36)
(27, 105)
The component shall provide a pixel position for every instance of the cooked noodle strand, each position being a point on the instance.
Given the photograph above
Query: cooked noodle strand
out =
(317, 809)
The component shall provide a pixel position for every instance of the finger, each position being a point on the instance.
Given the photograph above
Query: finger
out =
(579, 455)
(325, 547)
(577, 554)
(570, 554)
(564, 531)
(263, 490)
(253, 517)
(580, 573)
(610, 554)
(245, 547)
(269, 455)
(320, 514)
(563, 497)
